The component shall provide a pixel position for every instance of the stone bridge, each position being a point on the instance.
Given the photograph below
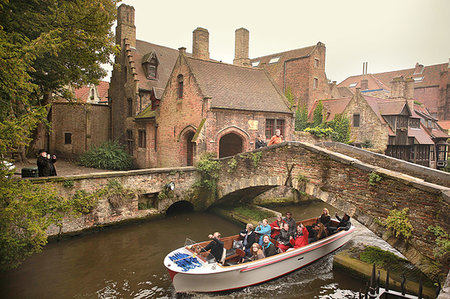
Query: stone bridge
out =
(337, 179)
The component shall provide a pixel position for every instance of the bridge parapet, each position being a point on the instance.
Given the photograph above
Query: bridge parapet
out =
(366, 192)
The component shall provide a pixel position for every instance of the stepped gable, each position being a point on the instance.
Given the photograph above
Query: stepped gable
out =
(236, 87)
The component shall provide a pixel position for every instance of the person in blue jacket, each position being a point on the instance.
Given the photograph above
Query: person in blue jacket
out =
(263, 229)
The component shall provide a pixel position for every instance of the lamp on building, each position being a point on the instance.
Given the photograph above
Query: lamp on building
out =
(170, 186)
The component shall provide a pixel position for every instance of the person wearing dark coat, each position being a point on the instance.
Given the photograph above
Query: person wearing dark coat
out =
(325, 218)
(269, 248)
(216, 246)
(344, 224)
(249, 237)
(45, 164)
(260, 142)
(284, 238)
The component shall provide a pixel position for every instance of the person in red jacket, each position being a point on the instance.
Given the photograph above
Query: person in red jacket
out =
(300, 238)
(275, 227)
(277, 138)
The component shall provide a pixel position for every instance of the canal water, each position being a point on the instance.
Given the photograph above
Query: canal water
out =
(127, 262)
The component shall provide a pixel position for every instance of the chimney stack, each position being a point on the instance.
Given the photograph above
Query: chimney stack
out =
(241, 46)
(402, 88)
(200, 43)
(125, 25)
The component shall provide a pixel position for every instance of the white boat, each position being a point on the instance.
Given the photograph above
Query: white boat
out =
(191, 272)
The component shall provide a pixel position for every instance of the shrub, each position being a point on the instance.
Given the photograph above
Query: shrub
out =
(398, 221)
(374, 178)
(442, 248)
(380, 257)
(109, 155)
(209, 171)
(320, 132)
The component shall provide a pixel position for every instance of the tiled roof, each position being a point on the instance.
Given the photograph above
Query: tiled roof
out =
(430, 74)
(166, 58)
(146, 113)
(235, 87)
(420, 135)
(331, 108)
(391, 107)
(345, 92)
(83, 93)
(445, 124)
(275, 67)
(102, 89)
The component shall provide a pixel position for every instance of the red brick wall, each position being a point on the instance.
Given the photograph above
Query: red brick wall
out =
(88, 124)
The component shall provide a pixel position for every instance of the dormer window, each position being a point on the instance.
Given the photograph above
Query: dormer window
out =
(150, 65)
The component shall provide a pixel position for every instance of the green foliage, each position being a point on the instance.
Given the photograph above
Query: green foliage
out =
(26, 210)
(83, 202)
(301, 178)
(301, 118)
(382, 258)
(253, 212)
(367, 144)
(232, 164)
(374, 178)
(109, 155)
(341, 128)
(116, 194)
(209, 171)
(318, 115)
(255, 157)
(442, 248)
(320, 132)
(399, 223)
(290, 97)
(68, 184)
(46, 45)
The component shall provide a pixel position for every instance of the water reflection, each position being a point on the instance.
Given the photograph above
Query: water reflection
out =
(126, 262)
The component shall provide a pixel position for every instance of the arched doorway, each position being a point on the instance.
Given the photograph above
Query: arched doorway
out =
(190, 148)
(230, 145)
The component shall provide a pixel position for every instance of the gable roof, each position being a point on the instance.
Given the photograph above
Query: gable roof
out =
(83, 93)
(275, 67)
(166, 59)
(236, 87)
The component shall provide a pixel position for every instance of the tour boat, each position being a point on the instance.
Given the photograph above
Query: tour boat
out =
(192, 272)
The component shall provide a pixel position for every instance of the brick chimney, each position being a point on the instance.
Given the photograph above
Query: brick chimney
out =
(241, 46)
(402, 88)
(200, 43)
(125, 25)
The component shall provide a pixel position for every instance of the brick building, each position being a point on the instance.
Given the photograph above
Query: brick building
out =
(431, 86)
(393, 124)
(300, 71)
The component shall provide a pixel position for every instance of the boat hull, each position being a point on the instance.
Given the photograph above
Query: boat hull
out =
(215, 278)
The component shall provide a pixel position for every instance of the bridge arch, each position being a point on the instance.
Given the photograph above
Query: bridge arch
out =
(180, 206)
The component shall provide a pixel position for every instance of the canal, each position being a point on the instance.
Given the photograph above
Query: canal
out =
(126, 262)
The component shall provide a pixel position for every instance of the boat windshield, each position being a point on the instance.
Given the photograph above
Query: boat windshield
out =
(196, 248)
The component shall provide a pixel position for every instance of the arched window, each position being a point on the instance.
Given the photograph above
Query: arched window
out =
(180, 86)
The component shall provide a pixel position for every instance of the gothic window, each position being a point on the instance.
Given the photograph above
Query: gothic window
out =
(142, 138)
(316, 83)
(129, 107)
(316, 62)
(180, 86)
(130, 141)
(356, 119)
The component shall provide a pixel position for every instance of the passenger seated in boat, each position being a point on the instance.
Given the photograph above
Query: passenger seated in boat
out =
(269, 248)
(263, 229)
(291, 222)
(249, 237)
(325, 218)
(275, 227)
(284, 238)
(300, 237)
(216, 246)
(257, 253)
(344, 224)
(321, 232)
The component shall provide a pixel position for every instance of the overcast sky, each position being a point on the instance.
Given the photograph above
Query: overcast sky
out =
(388, 34)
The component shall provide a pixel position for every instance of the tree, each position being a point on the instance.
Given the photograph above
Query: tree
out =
(341, 127)
(318, 115)
(46, 45)
(301, 118)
